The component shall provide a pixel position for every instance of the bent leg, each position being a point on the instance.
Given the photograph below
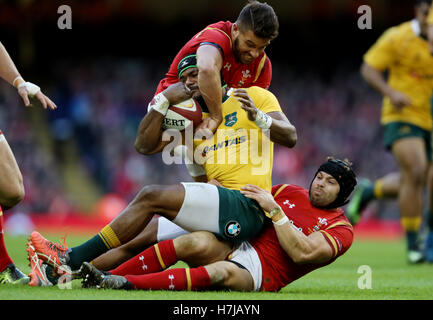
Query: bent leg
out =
(412, 160)
(119, 255)
(11, 182)
(225, 274)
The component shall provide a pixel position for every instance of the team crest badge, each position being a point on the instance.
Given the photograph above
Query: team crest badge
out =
(231, 119)
(232, 229)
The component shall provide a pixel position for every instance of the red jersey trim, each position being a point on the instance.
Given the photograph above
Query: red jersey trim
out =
(331, 242)
(210, 28)
(340, 223)
(280, 189)
(259, 69)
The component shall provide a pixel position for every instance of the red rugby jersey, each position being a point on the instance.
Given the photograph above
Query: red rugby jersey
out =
(278, 269)
(235, 74)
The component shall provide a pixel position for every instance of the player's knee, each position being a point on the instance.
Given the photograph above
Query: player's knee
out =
(191, 245)
(14, 195)
(149, 195)
(416, 175)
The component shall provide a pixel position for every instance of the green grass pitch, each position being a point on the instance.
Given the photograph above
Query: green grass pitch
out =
(391, 279)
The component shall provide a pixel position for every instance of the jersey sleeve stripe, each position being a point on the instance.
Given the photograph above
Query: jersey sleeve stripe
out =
(280, 189)
(331, 241)
(230, 39)
(340, 223)
(259, 69)
(215, 45)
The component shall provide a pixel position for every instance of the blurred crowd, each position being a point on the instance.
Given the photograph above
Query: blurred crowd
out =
(102, 102)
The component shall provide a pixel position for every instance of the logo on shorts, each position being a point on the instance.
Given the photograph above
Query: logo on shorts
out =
(233, 228)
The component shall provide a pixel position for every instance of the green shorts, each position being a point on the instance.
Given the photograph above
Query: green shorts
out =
(240, 218)
(394, 131)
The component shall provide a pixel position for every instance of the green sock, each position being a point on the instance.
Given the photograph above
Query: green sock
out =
(105, 240)
(412, 240)
(367, 195)
(88, 251)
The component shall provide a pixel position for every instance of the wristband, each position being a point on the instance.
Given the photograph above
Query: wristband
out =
(263, 121)
(274, 211)
(281, 221)
(159, 103)
(15, 80)
(31, 88)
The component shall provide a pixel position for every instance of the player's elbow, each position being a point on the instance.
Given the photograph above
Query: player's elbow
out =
(290, 137)
(141, 146)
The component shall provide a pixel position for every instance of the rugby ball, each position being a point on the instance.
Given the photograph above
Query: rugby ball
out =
(181, 115)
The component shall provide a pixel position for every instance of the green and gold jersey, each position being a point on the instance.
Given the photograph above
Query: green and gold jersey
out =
(405, 55)
(240, 152)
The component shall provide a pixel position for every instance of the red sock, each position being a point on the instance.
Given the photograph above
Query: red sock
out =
(5, 260)
(172, 279)
(156, 258)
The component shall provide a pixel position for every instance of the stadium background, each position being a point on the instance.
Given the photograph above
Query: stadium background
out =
(79, 161)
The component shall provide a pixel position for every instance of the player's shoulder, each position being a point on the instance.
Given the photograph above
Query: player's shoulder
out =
(259, 91)
(284, 189)
(399, 30)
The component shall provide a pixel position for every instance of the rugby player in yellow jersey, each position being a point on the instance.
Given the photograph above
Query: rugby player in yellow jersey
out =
(406, 117)
(195, 206)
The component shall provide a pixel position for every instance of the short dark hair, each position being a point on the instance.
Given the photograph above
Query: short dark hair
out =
(260, 18)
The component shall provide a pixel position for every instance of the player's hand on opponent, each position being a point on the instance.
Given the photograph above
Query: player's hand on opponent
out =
(399, 99)
(177, 92)
(210, 123)
(246, 103)
(28, 90)
(263, 197)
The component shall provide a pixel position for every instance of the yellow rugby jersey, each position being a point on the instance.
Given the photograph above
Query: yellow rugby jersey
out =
(406, 56)
(239, 153)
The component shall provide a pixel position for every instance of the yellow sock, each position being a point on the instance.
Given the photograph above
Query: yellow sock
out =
(378, 192)
(109, 238)
(411, 223)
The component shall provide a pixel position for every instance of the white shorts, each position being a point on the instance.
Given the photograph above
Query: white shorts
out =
(200, 208)
(168, 230)
(247, 256)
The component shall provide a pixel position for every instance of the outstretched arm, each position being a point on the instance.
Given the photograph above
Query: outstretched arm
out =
(301, 248)
(376, 79)
(209, 64)
(281, 130)
(9, 72)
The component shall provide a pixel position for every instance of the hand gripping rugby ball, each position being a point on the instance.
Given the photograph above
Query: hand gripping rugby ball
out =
(180, 116)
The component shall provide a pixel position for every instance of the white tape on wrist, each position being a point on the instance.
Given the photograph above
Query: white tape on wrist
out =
(31, 88)
(263, 121)
(281, 221)
(159, 103)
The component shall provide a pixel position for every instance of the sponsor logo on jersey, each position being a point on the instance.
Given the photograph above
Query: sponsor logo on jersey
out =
(231, 119)
(225, 144)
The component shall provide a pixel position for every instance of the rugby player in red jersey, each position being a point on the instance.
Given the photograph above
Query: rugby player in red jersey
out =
(308, 230)
(234, 51)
